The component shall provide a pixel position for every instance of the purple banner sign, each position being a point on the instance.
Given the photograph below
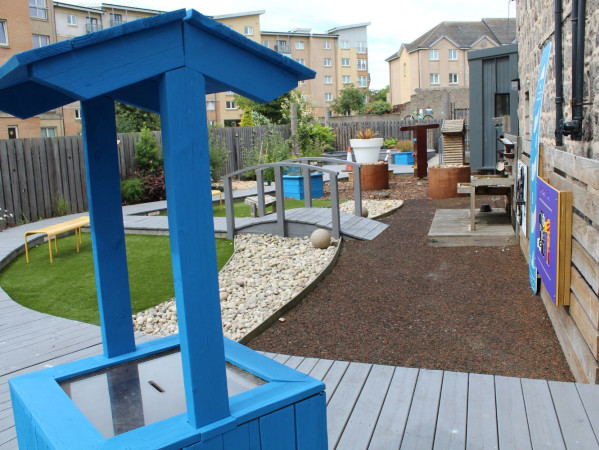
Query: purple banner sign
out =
(546, 252)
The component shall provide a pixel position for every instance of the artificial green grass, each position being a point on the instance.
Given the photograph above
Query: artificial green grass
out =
(241, 209)
(67, 288)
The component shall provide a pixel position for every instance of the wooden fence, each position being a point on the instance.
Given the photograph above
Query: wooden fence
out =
(346, 131)
(576, 325)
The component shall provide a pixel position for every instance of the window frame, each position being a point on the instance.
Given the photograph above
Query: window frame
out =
(457, 78)
(210, 105)
(39, 36)
(15, 128)
(230, 105)
(46, 133)
(326, 45)
(248, 30)
(69, 22)
(301, 61)
(328, 97)
(365, 84)
(433, 54)
(449, 53)
(330, 64)
(299, 45)
(328, 79)
(345, 45)
(38, 6)
(77, 114)
(362, 64)
(361, 47)
(434, 75)
(266, 43)
(5, 32)
(345, 79)
(343, 60)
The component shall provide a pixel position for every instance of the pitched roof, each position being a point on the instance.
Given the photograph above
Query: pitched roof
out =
(465, 34)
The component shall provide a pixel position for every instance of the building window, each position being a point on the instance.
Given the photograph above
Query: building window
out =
(72, 20)
(344, 44)
(433, 55)
(301, 83)
(3, 33)
(77, 114)
(361, 47)
(248, 31)
(405, 69)
(327, 62)
(326, 45)
(37, 9)
(116, 19)
(362, 82)
(13, 132)
(230, 104)
(328, 97)
(210, 106)
(328, 79)
(345, 62)
(48, 132)
(302, 61)
(434, 78)
(40, 40)
(229, 93)
(346, 79)
(361, 64)
(212, 123)
(282, 47)
(453, 78)
(453, 54)
(266, 43)
(92, 25)
(299, 45)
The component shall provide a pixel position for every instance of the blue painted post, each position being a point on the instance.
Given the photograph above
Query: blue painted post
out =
(106, 224)
(191, 228)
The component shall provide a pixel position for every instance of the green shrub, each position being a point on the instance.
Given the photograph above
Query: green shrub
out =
(146, 154)
(272, 148)
(315, 139)
(132, 190)
(378, 107)
(61, 206)
(390, 143)
(219, 155)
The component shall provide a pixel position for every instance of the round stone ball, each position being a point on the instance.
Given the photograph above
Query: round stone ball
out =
(320, 238)
(364, 211)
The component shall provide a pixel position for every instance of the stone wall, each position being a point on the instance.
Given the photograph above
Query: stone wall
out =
(535, 24)
(439, 100)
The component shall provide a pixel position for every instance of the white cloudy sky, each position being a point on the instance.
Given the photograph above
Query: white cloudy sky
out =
(393, 22)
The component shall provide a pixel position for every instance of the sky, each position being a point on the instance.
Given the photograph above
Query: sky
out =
(392, 22)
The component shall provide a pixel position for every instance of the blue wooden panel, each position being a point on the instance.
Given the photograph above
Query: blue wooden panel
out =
(277, 430)
(238, 439)
(311, 423)
(107, 231)
(195, 274)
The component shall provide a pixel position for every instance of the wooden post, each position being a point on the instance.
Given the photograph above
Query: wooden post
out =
(106, 222)
(307, 187)
(294, 137)
(280, 200)
(260, 193)
(357, 191)
(336, 217)
(420, 135)
(191, 227)
(229, 207)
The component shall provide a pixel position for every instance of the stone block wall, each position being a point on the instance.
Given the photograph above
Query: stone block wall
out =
(439, 99)
(535, 26)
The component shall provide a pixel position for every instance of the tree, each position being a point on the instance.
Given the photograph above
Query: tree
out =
(271, 110)
(350, 99)
(130, 119)
(379, 95)
(247, 120)
(378, 107)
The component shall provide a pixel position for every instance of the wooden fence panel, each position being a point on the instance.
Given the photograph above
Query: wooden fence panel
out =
(45, 174)
(30, 180)
(5, 180)
(14, 182)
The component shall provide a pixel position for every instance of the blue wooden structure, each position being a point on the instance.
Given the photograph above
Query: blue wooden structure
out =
(293, 186)
(165, 64)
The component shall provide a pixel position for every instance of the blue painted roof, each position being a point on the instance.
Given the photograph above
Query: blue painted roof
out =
(126, 62)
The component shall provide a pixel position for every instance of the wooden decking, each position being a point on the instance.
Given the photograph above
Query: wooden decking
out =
(299, 222)
(384, 407)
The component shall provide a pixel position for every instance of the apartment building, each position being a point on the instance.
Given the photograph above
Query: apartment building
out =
(438, 59)
(339, 57)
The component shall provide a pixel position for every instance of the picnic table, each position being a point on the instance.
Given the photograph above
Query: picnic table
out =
(269, 200)
(52, 231)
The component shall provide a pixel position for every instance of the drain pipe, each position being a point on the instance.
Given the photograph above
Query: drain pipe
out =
(559, 82)
(574, 128)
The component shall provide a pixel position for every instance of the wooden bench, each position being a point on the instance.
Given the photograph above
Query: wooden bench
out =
(220, 196)
(269, 200)
(486, 185)
(54, 230)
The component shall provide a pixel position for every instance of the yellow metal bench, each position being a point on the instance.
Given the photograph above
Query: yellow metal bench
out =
(220, 195)
(54, 230)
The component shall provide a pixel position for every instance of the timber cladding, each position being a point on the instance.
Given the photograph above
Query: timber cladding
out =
(576, 325)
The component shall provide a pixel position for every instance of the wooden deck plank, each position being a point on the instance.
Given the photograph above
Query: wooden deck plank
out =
(573, 420)
(281, 358)
(589, 394)
(422, 418)
(307, 365)
(344, 399)
(321, 368)
(453, 406)
(482, 416)
(512, 425)
(542, 419)
(8, 439)
(391, 423)
(361, 423)
(333, 377)
(294, 361)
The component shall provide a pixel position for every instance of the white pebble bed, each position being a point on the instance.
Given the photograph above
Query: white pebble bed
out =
(375, 208)
(264, 273)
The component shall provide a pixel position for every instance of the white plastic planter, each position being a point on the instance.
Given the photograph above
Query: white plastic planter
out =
(366, 150)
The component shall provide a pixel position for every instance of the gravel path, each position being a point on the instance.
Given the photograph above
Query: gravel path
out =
(397, 301)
